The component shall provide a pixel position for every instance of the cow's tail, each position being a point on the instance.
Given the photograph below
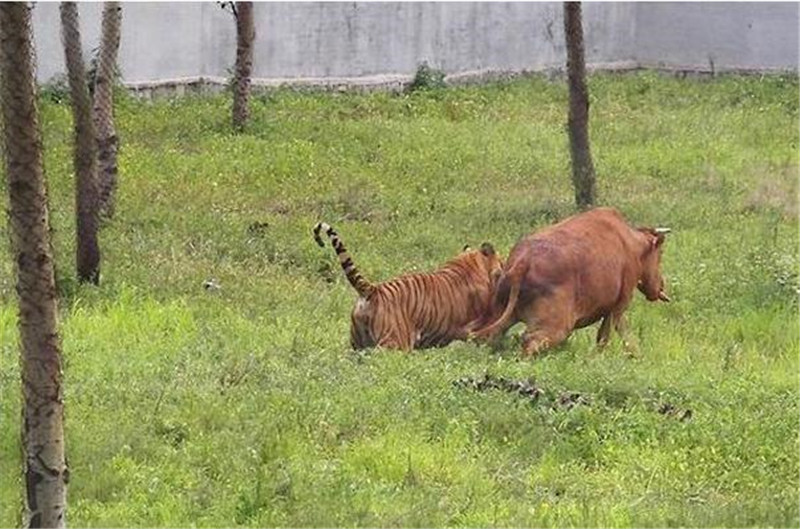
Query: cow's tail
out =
(362, 286)
(512, 278)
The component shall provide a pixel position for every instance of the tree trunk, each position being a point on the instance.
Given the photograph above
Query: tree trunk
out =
(245, 35)
(85, 153)
(583, 177)
(107, 142)
(43, 414)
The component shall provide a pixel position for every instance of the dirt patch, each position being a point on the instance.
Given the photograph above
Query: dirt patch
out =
(570, 399)
(565, 400)
(257, 229)
(526, 389)
(358, 201)
(776, 190)
(670, 410)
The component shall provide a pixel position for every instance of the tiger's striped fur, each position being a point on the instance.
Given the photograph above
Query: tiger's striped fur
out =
(422, 309)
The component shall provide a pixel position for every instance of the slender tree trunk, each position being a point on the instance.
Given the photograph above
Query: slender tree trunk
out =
(85, 155)
(107, 141)
(245, 35)
(43, 414)
(583, 177)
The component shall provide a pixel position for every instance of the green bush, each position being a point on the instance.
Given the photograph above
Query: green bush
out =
(426, 78)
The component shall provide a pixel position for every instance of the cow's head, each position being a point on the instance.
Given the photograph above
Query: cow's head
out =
(651, 282)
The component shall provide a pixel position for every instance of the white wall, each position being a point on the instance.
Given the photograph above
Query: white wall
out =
(757, 36)
(319, 41)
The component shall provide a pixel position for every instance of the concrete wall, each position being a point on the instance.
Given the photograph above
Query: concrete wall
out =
(363, 39)
(158, 40)
(744, 35)
(376, 42)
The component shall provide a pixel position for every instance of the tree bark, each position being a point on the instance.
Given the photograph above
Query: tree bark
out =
(107, 141)
(583, 176)
(245, 35)
(85, 152)
(43, 407)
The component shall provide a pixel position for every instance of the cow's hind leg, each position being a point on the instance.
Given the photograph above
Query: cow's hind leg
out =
(621, 326)
(549, 321)
(536, 340)
(604, 332)
(617, 319)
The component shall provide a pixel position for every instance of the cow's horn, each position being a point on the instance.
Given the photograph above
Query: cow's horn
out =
(662, 231)
(663, 296)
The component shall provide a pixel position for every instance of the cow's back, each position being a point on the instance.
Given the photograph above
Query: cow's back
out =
(590, 256)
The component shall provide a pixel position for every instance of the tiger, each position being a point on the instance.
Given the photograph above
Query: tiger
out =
(419, 310)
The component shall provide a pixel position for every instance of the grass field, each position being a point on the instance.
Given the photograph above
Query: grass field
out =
(244, 406)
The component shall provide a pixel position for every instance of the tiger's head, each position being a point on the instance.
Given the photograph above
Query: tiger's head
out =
(485, 259)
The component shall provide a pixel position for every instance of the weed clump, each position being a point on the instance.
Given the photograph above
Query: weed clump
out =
(426, 78)
(56, 89)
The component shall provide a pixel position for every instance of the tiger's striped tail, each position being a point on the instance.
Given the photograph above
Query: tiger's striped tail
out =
(362, 286)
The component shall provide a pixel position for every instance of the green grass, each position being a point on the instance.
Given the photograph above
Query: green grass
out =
(245, 407)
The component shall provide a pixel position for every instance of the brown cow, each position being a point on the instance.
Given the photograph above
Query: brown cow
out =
(574, 273)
